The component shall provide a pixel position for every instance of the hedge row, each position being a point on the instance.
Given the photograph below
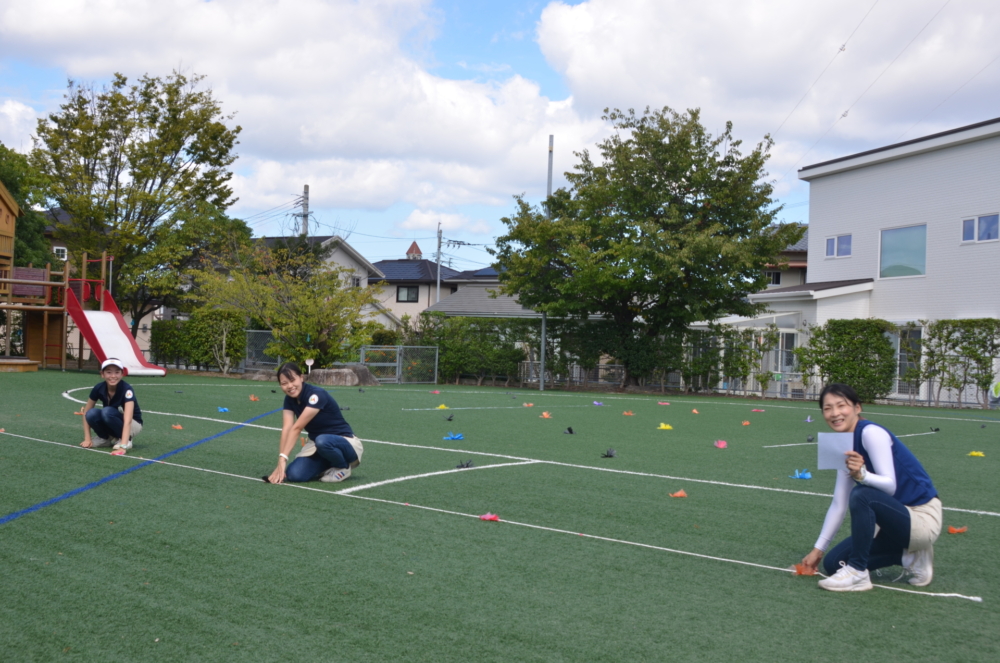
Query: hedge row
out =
(211, 338)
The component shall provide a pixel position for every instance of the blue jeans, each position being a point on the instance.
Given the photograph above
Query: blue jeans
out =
(862, 549)
(107, 422)
(331, 451)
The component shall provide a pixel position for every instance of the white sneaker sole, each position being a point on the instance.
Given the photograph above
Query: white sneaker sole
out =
(860, 587)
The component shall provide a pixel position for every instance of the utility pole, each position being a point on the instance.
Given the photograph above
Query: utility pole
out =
(438, 297)
(305, 209)
(548, 213)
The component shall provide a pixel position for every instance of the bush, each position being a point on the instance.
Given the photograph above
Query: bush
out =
(216, 338)
(854, 352)
(385, 337)
(167, 341)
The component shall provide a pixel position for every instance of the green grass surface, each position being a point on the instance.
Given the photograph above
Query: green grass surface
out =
(172, 563)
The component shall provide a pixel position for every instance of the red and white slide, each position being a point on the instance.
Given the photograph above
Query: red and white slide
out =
(109, 336)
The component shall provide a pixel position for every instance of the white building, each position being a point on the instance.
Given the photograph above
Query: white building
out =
(912, 226)
(905, 232)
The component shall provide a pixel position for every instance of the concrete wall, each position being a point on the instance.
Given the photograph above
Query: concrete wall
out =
(938, 189)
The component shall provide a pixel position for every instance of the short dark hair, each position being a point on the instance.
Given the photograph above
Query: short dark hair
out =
(289, 370)
(842, 390)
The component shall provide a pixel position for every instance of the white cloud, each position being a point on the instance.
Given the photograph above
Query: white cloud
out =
(751, 61)
(326, 93)
(429, 219)
(330, 93)
(17, 123)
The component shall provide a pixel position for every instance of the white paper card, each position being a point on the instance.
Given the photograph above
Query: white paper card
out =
(832, 447)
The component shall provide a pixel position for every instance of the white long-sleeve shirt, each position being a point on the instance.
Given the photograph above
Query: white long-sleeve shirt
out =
(878, 444)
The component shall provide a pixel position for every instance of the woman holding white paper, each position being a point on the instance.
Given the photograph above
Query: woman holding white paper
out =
(895, 510)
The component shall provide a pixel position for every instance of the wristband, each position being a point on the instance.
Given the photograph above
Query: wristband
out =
(283, 456)
(864, 475)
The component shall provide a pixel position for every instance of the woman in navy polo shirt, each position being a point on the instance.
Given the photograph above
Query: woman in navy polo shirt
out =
(895, 510)
(332, 449)
(119, 412)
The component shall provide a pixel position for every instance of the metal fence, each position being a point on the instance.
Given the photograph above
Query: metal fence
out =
(401, 364)
(602, 375)
(257, 357)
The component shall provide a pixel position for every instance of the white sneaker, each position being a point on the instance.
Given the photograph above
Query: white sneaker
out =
(847, 579)
(335, 475)
(920, 565)
(123, 445)
(96, 442)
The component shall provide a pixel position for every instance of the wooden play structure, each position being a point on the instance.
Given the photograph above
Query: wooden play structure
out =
(47, 305)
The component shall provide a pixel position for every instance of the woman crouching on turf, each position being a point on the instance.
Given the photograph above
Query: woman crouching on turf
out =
(119, 412)
(895, 510)
(332, 449)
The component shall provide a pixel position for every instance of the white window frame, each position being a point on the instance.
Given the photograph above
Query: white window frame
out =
(976, 220)
(879, 266)
(60, 252)
(836, 246)
(771, 275)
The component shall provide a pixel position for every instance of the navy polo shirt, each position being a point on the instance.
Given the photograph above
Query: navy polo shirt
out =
(328, 421)
(123, 394)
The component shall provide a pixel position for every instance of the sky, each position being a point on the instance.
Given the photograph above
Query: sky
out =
(402, 114)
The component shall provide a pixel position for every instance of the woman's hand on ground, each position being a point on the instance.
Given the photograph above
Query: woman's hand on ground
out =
(279, 473)
(86, 444)
(813, 559)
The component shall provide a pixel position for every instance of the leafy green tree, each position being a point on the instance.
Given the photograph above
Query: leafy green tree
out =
(315, 317)
(129, 163)
(856, 352)
(28, 188)
(217, 338)
(161, 275)
(674, 226)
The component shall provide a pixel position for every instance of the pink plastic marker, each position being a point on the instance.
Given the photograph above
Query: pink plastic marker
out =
(721, 444)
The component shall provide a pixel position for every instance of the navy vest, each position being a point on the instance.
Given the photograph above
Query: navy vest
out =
(913, 485)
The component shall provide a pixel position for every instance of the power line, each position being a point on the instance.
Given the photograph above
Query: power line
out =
(288, 204)
(840, 50)
(870, 85)
(957, 90)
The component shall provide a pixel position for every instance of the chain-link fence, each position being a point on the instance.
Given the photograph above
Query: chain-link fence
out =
(257, 358)
(401, 364)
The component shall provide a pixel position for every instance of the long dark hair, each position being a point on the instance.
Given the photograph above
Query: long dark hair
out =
(289, 370)
(837, 389)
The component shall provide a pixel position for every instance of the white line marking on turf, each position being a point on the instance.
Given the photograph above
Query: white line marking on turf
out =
(492, 407)
(349, 493)
(548, 462)
(804, 444)
(376, 484)
(528, 394)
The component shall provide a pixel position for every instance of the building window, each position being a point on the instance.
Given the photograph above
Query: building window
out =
(903, 252)
(60, 252)
(773, 278)
(408, 293)
(982, 229)
(356, 281)
(838, 247)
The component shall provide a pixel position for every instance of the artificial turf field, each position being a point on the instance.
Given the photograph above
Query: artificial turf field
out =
(195, 558)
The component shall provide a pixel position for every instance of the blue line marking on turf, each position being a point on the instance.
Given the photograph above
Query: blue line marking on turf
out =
(90, 486)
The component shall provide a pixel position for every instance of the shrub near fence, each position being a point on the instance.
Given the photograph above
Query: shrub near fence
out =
(210, 338)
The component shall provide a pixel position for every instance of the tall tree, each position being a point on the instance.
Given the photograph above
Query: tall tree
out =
(127, 161)
(309, 306)
(28, 187)
(161, 274)
(674, 226)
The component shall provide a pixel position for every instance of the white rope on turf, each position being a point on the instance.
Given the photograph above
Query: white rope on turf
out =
(548, 462)
(806, 444)
(349, 493)
(376, 484)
